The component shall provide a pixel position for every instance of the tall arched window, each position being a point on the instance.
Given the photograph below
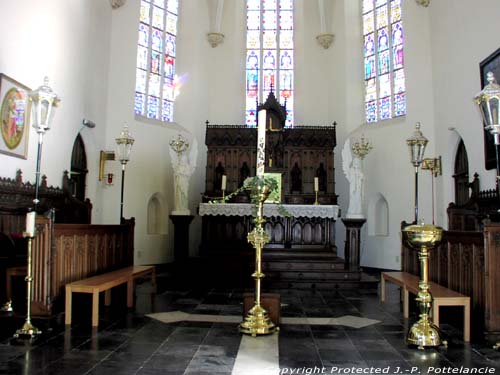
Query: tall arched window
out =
(155, 83)
(383, 60)
(269, 60)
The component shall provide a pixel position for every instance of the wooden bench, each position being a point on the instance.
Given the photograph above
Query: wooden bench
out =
(441, 296)
(104, 283)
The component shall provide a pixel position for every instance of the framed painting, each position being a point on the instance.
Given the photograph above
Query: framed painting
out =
(275, 196)
(14, 117)
(489, 64)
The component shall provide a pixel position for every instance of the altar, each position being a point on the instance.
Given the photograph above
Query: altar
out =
(225, 226)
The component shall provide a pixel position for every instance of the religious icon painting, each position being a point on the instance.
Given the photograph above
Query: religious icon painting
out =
(14, 117)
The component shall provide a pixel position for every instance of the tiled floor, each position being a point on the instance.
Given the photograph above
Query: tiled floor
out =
(133, 343)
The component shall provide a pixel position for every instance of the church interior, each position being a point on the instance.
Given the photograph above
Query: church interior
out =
(249, 187)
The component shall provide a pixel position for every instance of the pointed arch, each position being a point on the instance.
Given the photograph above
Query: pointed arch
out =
(378, 216)
(78, 168)
(157, 214)
(461, 174)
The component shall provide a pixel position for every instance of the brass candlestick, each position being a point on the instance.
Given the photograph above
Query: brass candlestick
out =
(316, 198)
(223, 195)
(257, 321)
(423, 238)
(28, 329)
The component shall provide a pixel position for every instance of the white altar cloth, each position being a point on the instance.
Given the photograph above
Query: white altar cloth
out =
(245, 209)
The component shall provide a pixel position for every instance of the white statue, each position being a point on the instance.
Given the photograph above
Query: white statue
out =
(353, 170)
(183, 166)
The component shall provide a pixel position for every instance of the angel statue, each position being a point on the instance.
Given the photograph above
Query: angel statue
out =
(183, 166)
(353, 170)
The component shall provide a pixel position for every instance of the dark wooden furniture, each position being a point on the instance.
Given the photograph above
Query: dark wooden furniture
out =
(441, 296)
(103, 283)
(299, 154)
(467, 260)
(62, 253)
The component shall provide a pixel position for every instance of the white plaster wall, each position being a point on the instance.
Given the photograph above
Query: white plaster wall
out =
(463, 35)
(149, 171)
(387, 168)
(67, 41)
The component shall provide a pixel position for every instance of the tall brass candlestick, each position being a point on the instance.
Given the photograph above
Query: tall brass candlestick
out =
(257, 321)
(423, 238)
(28, 329)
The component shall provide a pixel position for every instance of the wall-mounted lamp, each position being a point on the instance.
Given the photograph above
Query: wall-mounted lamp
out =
(434, 165)
(105, 155)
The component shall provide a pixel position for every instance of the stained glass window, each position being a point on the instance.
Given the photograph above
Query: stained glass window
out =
(155, 83)
(385, 90)
(269, 59)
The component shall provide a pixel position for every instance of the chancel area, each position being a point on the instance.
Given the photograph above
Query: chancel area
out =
(249, 187)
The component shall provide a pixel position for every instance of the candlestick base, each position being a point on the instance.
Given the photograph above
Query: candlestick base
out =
(28, 330)
(223, 196)
(257, 322)
(316, 198)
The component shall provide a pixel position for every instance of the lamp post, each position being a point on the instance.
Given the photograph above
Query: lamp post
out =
(124, 142)
(416, 144)
(43, 104)
(488, 101)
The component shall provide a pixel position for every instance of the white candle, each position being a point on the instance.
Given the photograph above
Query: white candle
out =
(223, 185)
(30, 224)
(316, 184)
(261, 142)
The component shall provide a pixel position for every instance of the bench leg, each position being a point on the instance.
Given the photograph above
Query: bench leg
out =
(382, 289)
(130, 293)
(406, 302)
(153, 280)
(95, 309)
(435, 313)
(467, 321)
(107, 297)
(67, 313)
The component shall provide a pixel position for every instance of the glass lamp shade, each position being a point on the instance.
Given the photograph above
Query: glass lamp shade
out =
(488, 101)
(43, 104)
(416, 144)
(124, 142)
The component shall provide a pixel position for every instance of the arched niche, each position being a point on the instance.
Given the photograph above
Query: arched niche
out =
(378, 216)
(157, 214)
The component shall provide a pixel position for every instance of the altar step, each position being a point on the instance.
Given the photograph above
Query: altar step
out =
(283, 268)
(311, 269)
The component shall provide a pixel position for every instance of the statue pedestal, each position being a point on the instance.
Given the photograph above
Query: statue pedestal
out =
(352, 242)
(181, 236)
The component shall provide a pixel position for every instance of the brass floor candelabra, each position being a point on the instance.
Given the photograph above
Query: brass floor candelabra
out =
(424, 238)
(28, 329)
(257, 321)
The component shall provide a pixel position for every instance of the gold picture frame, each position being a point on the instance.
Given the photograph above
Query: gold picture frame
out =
(14, 117)
(275, 196)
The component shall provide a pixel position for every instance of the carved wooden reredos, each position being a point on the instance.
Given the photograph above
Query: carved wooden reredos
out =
(299, 154)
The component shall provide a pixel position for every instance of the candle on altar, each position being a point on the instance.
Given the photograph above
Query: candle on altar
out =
(316, 184)
(261, 141)
(223, 184)
(30, 224)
